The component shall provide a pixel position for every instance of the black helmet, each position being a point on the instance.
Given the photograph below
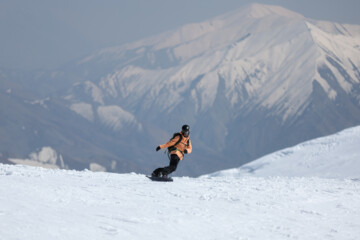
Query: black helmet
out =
(185, 130)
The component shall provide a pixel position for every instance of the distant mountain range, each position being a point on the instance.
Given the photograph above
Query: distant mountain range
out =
(248, 82)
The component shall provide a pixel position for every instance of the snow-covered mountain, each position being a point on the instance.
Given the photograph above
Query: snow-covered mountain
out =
(248, 82)
(335, 156)
(262, 56)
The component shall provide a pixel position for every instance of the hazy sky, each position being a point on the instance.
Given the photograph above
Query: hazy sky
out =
(44, 34)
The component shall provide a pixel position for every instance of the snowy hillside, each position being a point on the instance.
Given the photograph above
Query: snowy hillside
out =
(335, 156)
(280, 196)
(42, 204)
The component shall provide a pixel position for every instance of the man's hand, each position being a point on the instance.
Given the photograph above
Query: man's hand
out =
(158, 148)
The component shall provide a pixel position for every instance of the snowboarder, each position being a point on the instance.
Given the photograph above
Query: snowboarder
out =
(178, 145)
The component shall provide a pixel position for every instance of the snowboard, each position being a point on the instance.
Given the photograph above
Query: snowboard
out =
(160, 179)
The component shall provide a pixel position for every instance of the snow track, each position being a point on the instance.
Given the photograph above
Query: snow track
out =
(38, 203)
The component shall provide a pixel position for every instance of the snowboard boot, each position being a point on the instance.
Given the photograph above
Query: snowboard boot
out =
(155, 174)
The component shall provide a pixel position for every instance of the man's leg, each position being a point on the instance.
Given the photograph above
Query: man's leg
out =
(174, 161)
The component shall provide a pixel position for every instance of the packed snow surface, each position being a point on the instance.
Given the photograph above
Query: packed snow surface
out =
(334, 156)
(38, 203)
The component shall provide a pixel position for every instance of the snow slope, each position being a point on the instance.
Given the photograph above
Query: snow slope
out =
(37, 203)
(335, 156)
